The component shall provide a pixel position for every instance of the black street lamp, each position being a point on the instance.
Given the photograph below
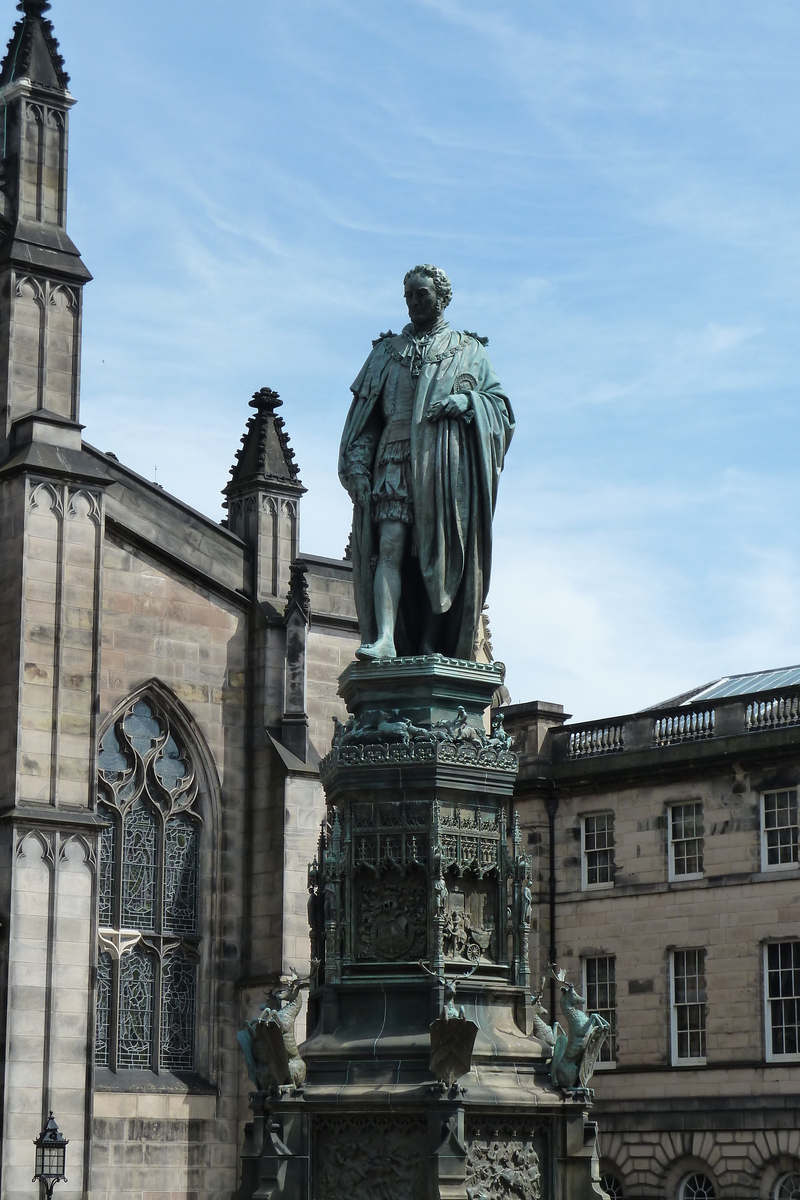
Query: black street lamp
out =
(51, 1157)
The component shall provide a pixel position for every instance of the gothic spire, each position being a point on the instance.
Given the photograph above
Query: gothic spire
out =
(266, 456)
(33, 50)
(41, 273)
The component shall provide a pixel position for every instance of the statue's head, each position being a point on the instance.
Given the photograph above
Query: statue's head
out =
(285, 990)
(570, 998)
(428, 292)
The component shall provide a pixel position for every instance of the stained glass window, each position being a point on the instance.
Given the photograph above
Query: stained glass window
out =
(177, 1012)
(180, 876)
(111, 761)
(139, 849)
(148, 894)
(170, 766)
(102, 1029)
(141, 728)
(107, 863)
(137, 980)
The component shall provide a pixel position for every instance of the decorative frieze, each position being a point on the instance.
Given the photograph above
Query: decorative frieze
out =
(361, 1157)
(392, 917)
(502, 1159)
(389, 738)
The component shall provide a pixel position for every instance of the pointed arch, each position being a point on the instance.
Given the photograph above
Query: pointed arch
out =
(45, 843)
(45, 497)
(158, 786)
(192, 735)
(83, 844)
(28, 315)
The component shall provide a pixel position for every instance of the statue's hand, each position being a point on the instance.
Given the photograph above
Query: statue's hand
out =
(455, 405)
(360, 490)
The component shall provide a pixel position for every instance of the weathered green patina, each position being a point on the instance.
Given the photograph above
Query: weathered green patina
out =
(421, 455)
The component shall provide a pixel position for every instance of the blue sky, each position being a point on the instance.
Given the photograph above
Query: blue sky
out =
(613, 189)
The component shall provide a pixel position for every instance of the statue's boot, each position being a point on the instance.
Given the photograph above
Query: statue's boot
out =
(430, 636)
(383, 648)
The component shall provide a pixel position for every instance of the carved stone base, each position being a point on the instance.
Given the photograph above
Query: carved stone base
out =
(425, 689)
(360, 1157)
(420, 1084)
(275, 1155)
(508, 1158)
(448, 1152)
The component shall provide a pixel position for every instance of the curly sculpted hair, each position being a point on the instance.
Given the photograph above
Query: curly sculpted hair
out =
(444, 288)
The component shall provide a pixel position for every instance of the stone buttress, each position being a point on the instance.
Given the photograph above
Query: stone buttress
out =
(51, 530)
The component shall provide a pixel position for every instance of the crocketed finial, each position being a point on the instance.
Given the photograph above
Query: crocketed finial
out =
(266, 400)
(33, 8)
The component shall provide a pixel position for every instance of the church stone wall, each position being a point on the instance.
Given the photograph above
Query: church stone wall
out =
(164, 1137)
(329, 652)
(332, 642)
(157, 625)
(12, 510)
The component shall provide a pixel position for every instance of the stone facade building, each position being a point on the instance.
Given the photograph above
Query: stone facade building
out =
(667, 846)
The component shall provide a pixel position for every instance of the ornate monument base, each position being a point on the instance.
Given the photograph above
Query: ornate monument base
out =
(421, 1078)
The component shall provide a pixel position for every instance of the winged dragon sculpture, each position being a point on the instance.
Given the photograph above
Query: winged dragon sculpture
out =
(573, 1054)
(269, 1043)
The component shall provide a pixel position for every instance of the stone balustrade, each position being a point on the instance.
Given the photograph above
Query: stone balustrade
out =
(772, 713)
(683, 727)
(596, 739)
(665, 727)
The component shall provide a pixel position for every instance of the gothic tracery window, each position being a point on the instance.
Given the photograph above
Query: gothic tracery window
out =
(148, 903)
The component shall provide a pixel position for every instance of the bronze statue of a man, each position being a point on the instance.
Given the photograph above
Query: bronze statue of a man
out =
(421, 455)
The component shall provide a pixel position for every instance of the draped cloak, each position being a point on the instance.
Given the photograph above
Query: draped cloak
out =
(455, 468)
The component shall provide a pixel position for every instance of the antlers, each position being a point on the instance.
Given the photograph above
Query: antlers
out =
(444, 981)
(290, 985)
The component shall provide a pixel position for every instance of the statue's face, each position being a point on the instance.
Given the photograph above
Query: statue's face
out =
(424, 306)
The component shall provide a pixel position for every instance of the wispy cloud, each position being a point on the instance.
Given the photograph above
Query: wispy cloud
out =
(614, 191)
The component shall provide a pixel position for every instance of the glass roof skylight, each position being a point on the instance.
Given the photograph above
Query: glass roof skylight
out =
(743, 685)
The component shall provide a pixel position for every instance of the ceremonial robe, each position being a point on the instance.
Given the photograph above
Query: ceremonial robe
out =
(455, 468)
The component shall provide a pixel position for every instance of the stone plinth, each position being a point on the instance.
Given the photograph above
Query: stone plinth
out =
(417, 726)
(420, 908)
(424, 689)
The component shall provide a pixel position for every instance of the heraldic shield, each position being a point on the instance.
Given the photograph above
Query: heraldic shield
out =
(452, 1042)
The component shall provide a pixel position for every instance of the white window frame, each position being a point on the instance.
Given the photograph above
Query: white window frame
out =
(608, 1064)
(673, 1011)
(779, 1182)
(765, 864)
(676, 876)
(606, 884)
(770, 1056)
(692, 1175)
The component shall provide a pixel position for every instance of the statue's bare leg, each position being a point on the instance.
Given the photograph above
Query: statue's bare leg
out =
(393, 541)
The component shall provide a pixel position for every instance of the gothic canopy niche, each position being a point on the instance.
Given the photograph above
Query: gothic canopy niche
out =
(149, 889)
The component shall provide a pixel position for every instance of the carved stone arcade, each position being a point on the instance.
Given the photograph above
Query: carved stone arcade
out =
(420, 888)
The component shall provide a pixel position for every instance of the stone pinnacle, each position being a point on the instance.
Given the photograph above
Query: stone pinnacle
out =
(33, 8)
